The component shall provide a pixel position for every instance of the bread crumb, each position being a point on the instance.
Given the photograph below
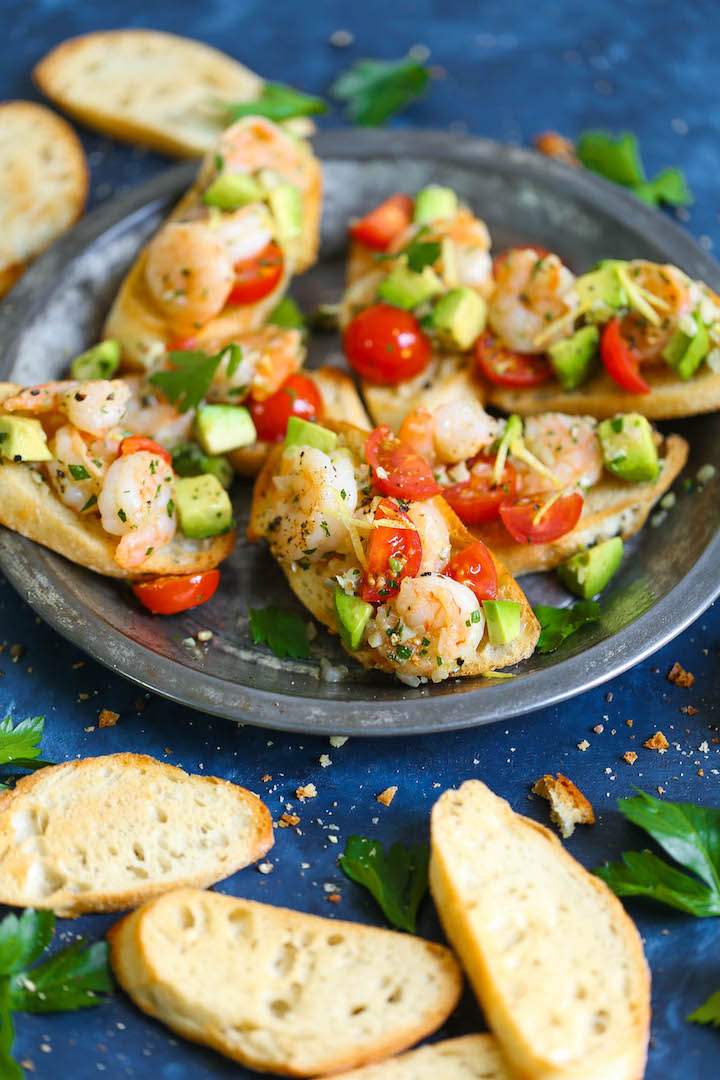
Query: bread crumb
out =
(386, 797)
(657, 742)
(265, 867)
(689, 710)
(583, 745)
(568, 806)
(309, 791)
(108, 718)
(266, 778)
(325, 761)
(338, 740)
(90, 728)
(629, 723)
(679, 676)
(204, 635)
(630, 757)
(333, 839)
(140, 704)
(608, 696)
(554, 145)
(599, 728)
(80, 664)
(661, 791)
(17, 651)
(701, 772)
(334, 898)
(288, 819)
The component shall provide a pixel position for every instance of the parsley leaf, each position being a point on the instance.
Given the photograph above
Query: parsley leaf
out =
(559, 623)
(9, 1068)
(20, 745)
(420, 253)
(277, 102)
(690, 835)
(375, 89)
(189, 380)
(398, 880)
(708, 1012)
(283, 632)
(618, 159)
(288, 315)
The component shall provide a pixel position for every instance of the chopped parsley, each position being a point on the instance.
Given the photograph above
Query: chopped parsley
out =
(79, 472)
(187, 383)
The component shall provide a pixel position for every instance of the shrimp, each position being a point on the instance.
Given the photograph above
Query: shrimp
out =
(465, 257)
(136, 503)
(670, 293)
(269, 356)
(436, 619)
(452, 432)
(190, 264)
(434, 536)
(529, 293)
(568, 445)
(149, 413)
(317, 493)
(95, 406)
(78, 468)
(254, 143)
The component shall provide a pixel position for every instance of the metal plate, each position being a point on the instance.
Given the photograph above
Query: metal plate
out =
(670, 576)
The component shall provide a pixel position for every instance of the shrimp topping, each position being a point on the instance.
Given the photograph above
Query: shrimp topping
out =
(451, 433)
(95, 406)
(434, 536)
(149, 413)
(78, 467)
(662, 295)
(430, 629)
(530, 293)
(254, 143)
(568, 445)
(317, 495)
(136, 503)
(269, 356)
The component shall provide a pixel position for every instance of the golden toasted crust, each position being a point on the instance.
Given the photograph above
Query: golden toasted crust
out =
(568, 806)
(612, 507)
(448, 378)
(43, 183)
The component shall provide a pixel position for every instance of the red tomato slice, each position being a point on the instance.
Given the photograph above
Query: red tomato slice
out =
(258, 276)
(474, 566)
(503, 367)
(392, 555)
(135, 443)
(298, 396)
(180, 344)
(479, 499)
(378, 229)
(500, 259)
(397, 470)
(385, 344)
(560, 518)
(168, 595)
(620, 363)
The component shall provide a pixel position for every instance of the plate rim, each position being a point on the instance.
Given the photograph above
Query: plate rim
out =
(685, 601)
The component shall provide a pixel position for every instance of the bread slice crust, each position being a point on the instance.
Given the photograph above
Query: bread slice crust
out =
(108, 833)
(281, 991)
(469, 1057)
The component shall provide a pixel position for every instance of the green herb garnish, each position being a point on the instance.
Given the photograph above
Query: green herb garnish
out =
(398, 880)
(192, 373)
(707, 1013)
(20, 745)
(277, 102)
(375, 89)
(288, 315)
(419, 253)
(618, 159)
(559, 623)
(79, 472)
(284, 632)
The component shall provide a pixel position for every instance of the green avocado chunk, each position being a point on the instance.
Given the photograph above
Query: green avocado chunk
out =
(601, 292)
(686, 352)
(304, 433)
(628, 447)
(230, 191)
(573, 358)
(220, 428)
(460, 316)
(203, 506)
(23, 439)
(587, 573)
(189, 460)
(100, 362)
(503, 620)
(352, 615)
(286, 207)
(404, 288)
(434, 203)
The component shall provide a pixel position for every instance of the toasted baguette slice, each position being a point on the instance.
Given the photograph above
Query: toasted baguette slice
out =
(277, 990)
(107, 833)
(670, 397)
(309, 585)
(612, 507)
(43, 184)
(568, 806)
(471, 1057)
(555, 962)
(448, 378)
(341, 403)
(147, 87)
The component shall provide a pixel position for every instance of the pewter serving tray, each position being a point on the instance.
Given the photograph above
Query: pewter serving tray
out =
(668, 577)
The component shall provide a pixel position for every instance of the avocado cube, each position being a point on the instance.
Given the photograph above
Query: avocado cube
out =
(503, 620)
(601, 292)
(685, 352)
(573, 358)
(434, 203)
(220, 428)
(352, 616)
(588, 573)
(628, 447)
(100, 362)
(303, 433)
(23, 439)
(203, 506)
(230, 191)
(407, 289)
(460, 316)
(286, 206)
(288, 315)
(189, 460)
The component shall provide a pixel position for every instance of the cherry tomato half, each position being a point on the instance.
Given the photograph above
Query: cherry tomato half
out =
(474, 566)
(503, 367)
(619, 362)
(168, 595)
(385, 344)
(560, 518)
(397, 470)
(258, 276)
(501, 257)
(479, 499)
(378, 229)
(392, 554)
(298, 396)
(135, 443)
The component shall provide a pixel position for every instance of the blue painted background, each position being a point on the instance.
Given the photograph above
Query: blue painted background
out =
(510, 69)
